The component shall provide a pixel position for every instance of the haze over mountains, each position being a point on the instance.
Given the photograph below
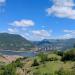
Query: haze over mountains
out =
(17, 42)
(55, 44)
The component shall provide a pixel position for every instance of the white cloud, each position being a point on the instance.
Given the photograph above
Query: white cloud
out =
(70, 31)
(12, 30)
(2, 2)
(69, 34)
(23, 23)
(2, 6)
(41, 34)
(62, 8)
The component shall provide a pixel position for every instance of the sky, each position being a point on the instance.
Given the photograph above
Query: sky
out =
(38, 19)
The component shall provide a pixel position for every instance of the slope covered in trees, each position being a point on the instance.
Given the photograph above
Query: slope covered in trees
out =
(14, 42)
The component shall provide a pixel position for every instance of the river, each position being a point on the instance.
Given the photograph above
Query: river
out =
(20, 53)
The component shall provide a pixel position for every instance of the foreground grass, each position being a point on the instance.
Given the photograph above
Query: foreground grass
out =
(50, 66)
(53, 66)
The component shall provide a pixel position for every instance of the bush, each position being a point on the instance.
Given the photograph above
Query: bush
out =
(53, 59)
(9, 70)
(60, 53)
(18, 63)
(43, 57)
(69, 55)
(35, 63)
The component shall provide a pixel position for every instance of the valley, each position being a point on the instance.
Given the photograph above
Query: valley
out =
(37, 37)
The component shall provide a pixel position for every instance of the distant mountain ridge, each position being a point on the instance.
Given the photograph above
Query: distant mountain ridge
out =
(55, 44)
(14, 42)
(17, 42)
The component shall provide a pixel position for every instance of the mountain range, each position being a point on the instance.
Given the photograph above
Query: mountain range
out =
(17, 42)
(55, 44)
(14, 42)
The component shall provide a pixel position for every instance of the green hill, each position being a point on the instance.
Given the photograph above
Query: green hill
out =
(14, 42)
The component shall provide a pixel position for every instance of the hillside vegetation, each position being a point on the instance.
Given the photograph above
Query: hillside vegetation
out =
(14, 42)
(51, 63)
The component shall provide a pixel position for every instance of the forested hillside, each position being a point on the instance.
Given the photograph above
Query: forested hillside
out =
(14, 42)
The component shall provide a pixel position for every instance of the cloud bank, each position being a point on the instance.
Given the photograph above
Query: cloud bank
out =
(62, 9)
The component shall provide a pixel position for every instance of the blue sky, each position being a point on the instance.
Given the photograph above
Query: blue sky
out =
(38, 19)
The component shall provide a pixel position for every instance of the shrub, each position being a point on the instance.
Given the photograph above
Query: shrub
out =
(53, 59)
(9, 70)
(18, 63)
(69, 55)
(43, 57)
(35, 63)
(60, 53)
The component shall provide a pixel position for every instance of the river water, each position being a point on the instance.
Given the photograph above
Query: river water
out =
(21, 53)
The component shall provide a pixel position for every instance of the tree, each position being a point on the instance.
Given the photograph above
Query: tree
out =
(69, 55)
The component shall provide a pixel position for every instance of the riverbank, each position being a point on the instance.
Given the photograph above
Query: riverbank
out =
(9, 58)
